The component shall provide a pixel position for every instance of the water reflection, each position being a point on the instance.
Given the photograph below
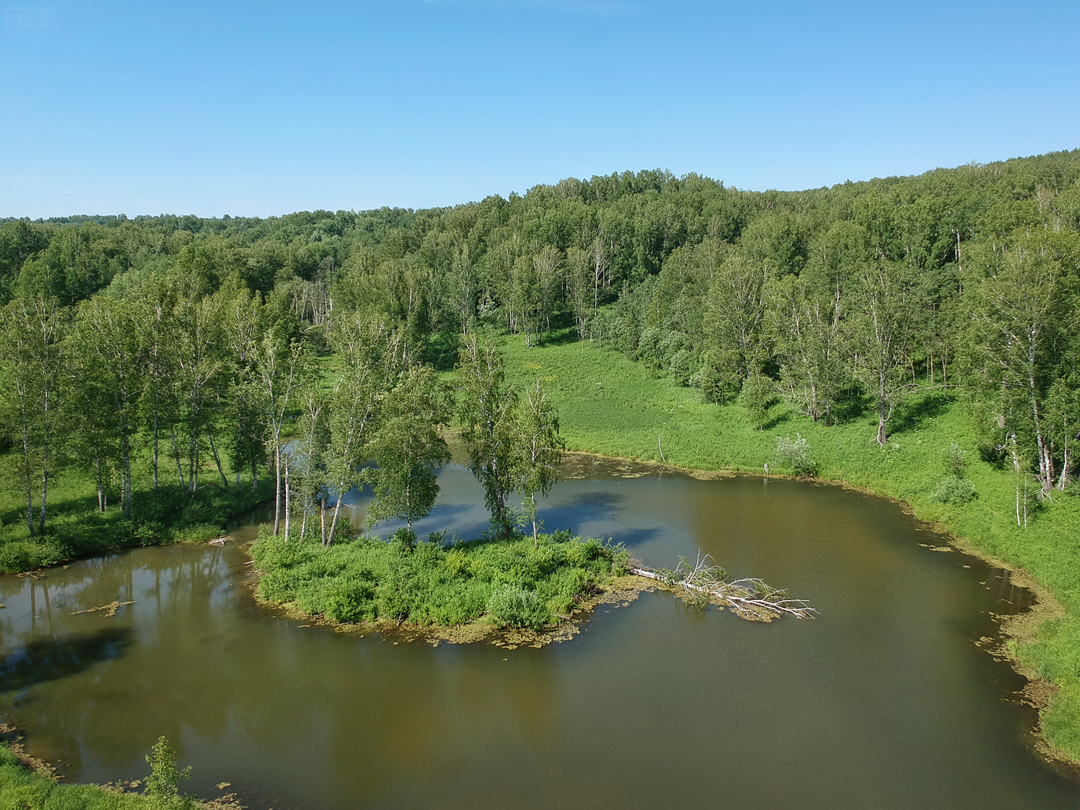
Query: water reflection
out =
(45, 659)
(883, 702)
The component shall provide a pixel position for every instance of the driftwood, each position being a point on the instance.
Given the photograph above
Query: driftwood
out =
(107, 610)
(703, 583)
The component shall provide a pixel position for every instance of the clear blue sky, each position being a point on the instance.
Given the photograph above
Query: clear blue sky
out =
(267, 108)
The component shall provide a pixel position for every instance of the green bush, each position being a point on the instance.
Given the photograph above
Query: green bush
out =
(795, 454)
(953, 489)
(25, 555)
(511, 606)
(163, 784)
(758, 393)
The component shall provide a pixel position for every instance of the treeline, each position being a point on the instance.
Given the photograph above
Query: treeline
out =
(839, 299)
(193, 382)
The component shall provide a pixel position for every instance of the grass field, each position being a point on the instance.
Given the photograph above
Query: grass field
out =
(612, 406)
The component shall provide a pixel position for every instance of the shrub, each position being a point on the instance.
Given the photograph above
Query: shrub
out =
(511, 606)
(953, 489)
(163, 784)
(758, 393)
(955, 458)
(795, 454)
(25, 555)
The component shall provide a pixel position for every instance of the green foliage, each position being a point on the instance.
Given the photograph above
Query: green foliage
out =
(365, 579)
(487, 407)
(955, 459)
(163, 783)
(758, 393)
(511, 606)
(849, 297)
(77, 528)
(795, 454)
(28, 790)
(953, 489)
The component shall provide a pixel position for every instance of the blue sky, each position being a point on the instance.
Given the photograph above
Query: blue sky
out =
(267, 108)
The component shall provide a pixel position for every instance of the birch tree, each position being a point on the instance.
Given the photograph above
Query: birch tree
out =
(486, 413)
(1021, 322)
(110, 359)
(408, 449)
(539, 448)
(31, 359)
(372, 355)
(880, 331)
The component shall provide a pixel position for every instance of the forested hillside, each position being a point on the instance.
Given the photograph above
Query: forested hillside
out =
(838, 299)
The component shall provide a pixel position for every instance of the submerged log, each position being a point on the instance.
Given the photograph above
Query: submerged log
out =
(704, 583)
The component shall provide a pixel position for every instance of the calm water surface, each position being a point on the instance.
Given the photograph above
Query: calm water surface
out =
(883, 702)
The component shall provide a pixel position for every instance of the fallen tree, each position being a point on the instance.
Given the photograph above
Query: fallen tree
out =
(704, 583)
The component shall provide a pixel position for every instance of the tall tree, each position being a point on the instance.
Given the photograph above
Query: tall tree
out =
(372, 359)
(280, 368)
(109, 356)
(540, 448)
(809, 329)
(735, 318)
(31, 360)
(486, 412)
(408, 448)
(1023, 343)
(880, 333)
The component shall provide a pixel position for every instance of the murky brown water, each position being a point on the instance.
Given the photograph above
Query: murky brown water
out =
(883, 702)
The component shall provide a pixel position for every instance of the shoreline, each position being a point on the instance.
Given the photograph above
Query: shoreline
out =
(1014, 629)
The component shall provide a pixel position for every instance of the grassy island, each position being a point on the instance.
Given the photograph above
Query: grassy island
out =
(513, 582)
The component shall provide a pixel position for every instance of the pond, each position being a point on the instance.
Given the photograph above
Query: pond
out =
(886, 701)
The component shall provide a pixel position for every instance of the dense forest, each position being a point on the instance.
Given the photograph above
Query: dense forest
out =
(196, 343)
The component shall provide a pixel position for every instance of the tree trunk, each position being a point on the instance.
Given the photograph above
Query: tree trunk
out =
(288, 505)
(1063, 479)
(217, 459)
(44, 467)
(176, 455)
(277, 487)
(27, 471)
(882, 420)
(125, 443)
(44, 489)
(327, 540)
(100, 487)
